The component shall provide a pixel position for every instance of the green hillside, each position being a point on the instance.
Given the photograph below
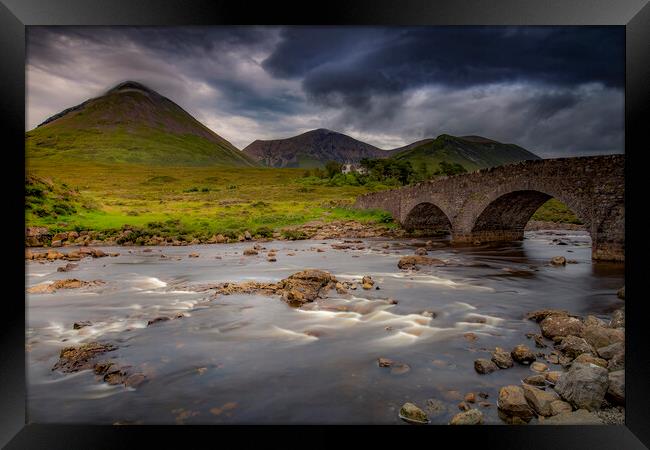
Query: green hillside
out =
(131, 124)
(472, 152)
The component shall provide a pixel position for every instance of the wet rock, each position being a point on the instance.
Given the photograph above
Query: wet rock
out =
(535, 380)
(340, 288)
(80, 325)
(67, 268)
(97, 253)
(436, 407)
(616, 388)
(502, 358)
(366, 286)
(558, 261)
(471, 417)
(367, 280)
(385, 362)
(557, 325)
(470, 397)
(250, 252)
(412, 414)
(484, 366)
(421, 251)
(584, 386)
(71, 283)
(512, 404)
(601, 336)
(158, 320)
(553, 377)
(609, 351)
(591, 320)
(621, 293)
(587, 358)
(538, 367)
(573, 346)
(539, 400)
(471, 337)
(247, 236)
(414, 262)
(542, 314)
(271, 259)
(579, 417)
(399, 369)
(135, 380)
(193, 255)
(463, 406)
(559, 407)
(522, 354)
(74, 359)
(618, 319)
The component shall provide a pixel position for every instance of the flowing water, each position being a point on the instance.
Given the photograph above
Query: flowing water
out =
(252, 359)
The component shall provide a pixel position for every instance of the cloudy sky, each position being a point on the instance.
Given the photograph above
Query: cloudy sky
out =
(557, 91)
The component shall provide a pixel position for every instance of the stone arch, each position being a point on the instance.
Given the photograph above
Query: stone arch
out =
(608, 240)
(505, 215)
(428, 217)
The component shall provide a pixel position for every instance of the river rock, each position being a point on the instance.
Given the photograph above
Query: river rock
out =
(558, 261)
(621, 293)
(535, 380)
(71, 283)
(609, 351)
(436, 407)
(67, 268)
(471, 417)
(82, 324)
(512, 403)
(135, 380)
(158, 320)
(618, 319)
(247, 236)
(484, 366)
(74, 359)
(470, 397)
(616, 388)
(573, 346)
(421, 251)
(412, 414)
(538, 367)
(539, 400)
(601, 336)
(522, 354)
(593, 321)
(250, 252)
(193, 255)
(579, 417)
(584, 386)
(559, 407)
(557, 325)
(587, 358)
(502, 358)
(542, 314)
(367, 280)
(553, 377)
(414, 262)
(617, 362)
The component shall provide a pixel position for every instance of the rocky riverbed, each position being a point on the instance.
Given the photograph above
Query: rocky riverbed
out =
(356, 330)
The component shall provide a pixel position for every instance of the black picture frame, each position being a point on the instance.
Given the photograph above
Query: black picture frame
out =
(16, 14)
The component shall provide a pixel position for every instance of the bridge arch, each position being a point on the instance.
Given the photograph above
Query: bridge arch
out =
(429, 217)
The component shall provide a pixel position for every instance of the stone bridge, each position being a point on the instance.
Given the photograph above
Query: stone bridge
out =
(495, 204)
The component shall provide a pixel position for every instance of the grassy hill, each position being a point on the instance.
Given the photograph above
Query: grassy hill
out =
(131, 124)
(472, 152)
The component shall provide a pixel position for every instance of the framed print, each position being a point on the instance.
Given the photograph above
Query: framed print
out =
(251, 220)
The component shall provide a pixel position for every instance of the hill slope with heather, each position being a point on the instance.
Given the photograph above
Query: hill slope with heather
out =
(131, 124)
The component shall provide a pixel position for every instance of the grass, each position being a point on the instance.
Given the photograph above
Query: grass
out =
(196, 202)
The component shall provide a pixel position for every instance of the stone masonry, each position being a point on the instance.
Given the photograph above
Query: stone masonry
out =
(495, 204)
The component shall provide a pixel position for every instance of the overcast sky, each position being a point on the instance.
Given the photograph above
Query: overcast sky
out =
(557, 91)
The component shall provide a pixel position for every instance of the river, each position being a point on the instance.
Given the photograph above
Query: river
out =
(252, 359)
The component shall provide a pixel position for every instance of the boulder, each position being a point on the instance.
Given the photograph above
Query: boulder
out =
(616, 389)
(412, 414)
(414, 262)
(587, 358)
(553, 377)
(522, 354)
(535, 380)
(618, 319)
(617, 362)
(573, 346)
(539, 400)
(621, 293)
(556, 325)
(609, 351)
(484, 366)
(512, 404)
(502, 358)
(470, 417)
(542, 314)
(584, 386)
(74, 359)
(538, 367)
(594, 321)
(421, 251)
(67, 268)
(579, 417)
(601, 336)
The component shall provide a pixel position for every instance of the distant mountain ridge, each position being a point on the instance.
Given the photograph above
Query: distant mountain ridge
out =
(132, 123)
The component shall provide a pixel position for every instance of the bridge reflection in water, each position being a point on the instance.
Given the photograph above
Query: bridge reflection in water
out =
(495, 204)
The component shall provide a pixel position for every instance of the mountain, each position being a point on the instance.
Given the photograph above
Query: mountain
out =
(131, 123)
(312, 149)
(472, 152)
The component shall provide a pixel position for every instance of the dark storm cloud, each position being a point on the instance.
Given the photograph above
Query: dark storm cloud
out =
(554, 90)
